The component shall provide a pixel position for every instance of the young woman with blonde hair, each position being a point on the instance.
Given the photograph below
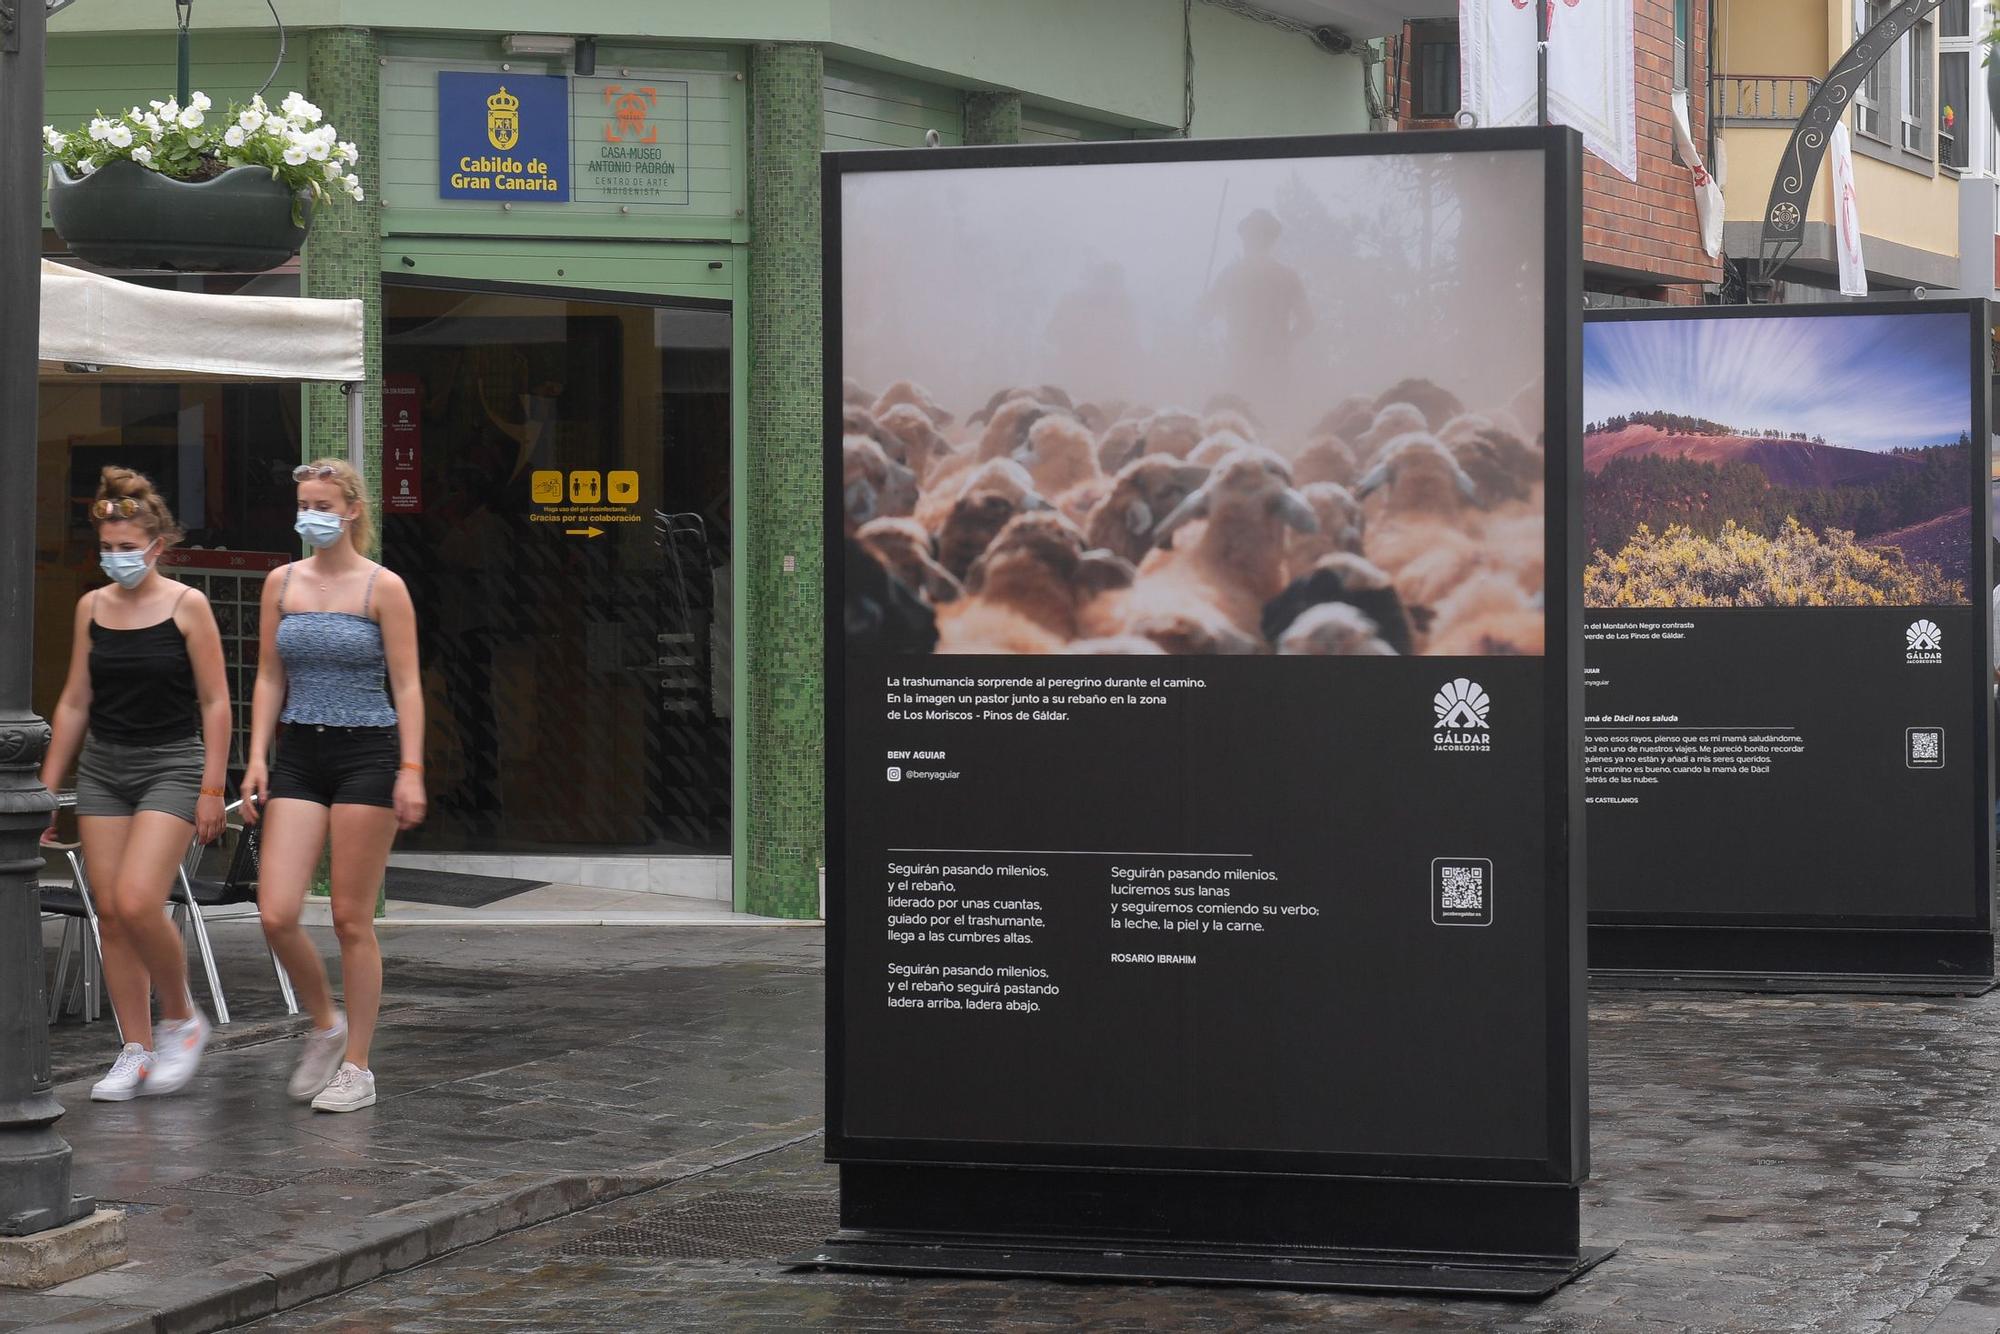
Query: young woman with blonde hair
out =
(146, 703)
(348, 770)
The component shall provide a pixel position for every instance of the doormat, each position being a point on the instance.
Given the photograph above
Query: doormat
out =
(452, 889)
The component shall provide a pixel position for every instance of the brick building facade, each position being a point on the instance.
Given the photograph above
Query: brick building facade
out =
(1641, 241)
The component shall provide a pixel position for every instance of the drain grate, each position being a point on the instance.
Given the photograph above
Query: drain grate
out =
(235, 1183)
(728, 1225)
(360, 1176)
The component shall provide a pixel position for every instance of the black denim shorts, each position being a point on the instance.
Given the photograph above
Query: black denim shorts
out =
(336, 766)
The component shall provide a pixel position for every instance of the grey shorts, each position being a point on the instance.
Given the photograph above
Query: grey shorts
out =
(113, 779)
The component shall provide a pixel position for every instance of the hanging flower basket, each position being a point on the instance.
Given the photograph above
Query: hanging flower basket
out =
(166, 189)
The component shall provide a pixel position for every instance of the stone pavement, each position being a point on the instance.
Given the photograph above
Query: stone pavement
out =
(1769, 1163)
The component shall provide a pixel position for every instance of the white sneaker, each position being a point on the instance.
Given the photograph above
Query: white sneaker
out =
(319, 1061)
(351, 1090)
(177, 1049)
(127, 1076)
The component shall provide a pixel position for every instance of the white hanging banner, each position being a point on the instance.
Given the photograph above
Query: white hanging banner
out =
(1707, 193)
(1846, 215)
(1592, 75)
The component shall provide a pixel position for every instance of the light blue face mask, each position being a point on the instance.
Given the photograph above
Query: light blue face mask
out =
(129, 568)
(319, 528)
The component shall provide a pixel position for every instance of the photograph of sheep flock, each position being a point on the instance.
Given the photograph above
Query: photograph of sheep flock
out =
(1778, 461)
(1269, 406)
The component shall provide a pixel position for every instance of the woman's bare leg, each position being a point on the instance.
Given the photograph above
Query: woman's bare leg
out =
(361, 839)
(294, 834)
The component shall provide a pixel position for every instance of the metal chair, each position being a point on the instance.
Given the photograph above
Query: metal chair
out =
(238, 885)
(80, 947)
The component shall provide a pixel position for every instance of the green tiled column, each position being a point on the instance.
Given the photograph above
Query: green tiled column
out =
(343, 256)
(993, 118)
(786, 820)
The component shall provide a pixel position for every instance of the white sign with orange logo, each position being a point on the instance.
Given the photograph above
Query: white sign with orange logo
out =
(630, 140)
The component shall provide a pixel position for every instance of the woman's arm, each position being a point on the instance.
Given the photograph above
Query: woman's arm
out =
(406, 688)
(72, 711)
(211, 686)
(267, 701)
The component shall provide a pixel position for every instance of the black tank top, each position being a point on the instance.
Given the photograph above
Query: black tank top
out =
(142, 685)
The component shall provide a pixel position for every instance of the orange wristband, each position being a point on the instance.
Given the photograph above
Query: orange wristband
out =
(407, 765)
(211, 792)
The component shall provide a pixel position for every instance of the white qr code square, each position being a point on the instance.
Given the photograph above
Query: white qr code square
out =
(1463, 887)
(1924, 747)
(1462, 891)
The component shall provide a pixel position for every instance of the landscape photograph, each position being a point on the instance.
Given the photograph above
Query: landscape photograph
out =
(1778, 461)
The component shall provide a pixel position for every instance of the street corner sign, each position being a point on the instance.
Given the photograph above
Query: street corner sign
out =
(631, 140)
(503, 136)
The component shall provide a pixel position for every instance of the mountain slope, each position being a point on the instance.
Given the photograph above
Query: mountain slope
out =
(1795, 463)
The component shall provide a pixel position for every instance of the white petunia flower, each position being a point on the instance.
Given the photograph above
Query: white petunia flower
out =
(298, 109)
(135, 115)
(234, 136)
(317, 151)
(249, 118)
(85, 166)
(332, 171)
(153, 127)
(119, 136)
(143, 155)
(200, 102)
(99, 128)
(347, 153)
(295, 155)
(277, 124)
(192, 118)
(54, 138)
(169, 109)
(354, 192)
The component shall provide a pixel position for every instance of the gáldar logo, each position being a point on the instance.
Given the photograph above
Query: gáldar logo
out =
(1923, 642)
(1461, 707)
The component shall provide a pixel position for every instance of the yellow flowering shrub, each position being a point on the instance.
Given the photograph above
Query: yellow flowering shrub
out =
(1738, 568)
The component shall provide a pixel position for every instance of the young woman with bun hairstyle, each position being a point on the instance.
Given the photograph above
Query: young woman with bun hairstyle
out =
(348, 769)
(146, 703)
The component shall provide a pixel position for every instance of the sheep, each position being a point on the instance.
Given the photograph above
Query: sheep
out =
(1047, 394)
(1353, 581)
(1007, 429)
(1144, 492)
(1489, 615)
(1236, 562)
(1348, 419)
(853, 395)
(1421, 476)
(993, 495)
(873, 484)
(1228, 420)
(1326, 458)
(923, 445)
(1438, 405)
(904, 391)
(1036, 570)
(906, 550)
(880, 612)
(1059, 454)
(1193, 630)
(1398, 419)
(1216, 448)
(1334, 629)
(1342, 524)
(1100, 416)
(860, 421)
(1119, 445)
(1171, 432)
(1500, 463)
(1235, 404)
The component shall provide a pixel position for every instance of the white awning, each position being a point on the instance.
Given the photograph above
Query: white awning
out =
(107, 329)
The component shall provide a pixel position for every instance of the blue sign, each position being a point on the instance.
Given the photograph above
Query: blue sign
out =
(503, 136)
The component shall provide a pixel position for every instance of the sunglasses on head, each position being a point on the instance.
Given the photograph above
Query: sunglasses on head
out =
(307, 472)
(124, 507)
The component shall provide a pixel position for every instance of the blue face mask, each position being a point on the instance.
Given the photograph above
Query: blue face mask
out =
(318, 527)
(129, 568)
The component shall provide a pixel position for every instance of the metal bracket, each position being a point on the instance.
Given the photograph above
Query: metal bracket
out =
(10, 27)
(1798, 166)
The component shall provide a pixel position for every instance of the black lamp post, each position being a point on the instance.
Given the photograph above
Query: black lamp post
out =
(34, 1159)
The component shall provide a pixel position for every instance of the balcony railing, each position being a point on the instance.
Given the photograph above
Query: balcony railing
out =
(1759, 99)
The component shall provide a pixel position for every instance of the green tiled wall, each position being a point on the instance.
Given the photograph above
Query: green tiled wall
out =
(993, 118)
(786, 706)
(343, 256)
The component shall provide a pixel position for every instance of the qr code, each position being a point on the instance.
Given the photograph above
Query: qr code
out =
(1924, 745)
(1462, 888)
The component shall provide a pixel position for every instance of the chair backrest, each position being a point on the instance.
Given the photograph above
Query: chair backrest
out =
(239, 882)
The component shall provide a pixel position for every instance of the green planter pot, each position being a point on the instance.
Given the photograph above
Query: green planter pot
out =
(125, 216)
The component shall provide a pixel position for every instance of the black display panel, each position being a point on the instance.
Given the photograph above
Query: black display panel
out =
(1200, 792)
(1787, 635)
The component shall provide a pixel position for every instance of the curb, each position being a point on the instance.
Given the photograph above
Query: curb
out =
(403, 1238)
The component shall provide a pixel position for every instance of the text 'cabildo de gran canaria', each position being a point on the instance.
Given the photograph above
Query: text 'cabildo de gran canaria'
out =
(504, 175)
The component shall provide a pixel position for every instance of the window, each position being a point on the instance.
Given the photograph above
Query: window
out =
(1431, 71)
(1868, 98)
(1915, 90)
(1683, 22)
(1955, 18)
(1954, 71)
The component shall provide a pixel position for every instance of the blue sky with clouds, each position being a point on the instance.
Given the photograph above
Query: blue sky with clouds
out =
(1863, 381)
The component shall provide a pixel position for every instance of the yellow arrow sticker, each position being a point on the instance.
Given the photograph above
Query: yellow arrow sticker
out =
(584, 532)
